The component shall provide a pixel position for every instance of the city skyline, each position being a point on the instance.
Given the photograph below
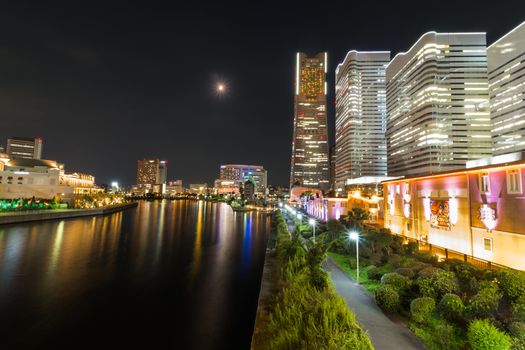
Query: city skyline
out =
(88, 78)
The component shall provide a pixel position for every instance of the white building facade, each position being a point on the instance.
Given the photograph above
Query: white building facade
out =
(506, 68)
(438, 115)
(360, 119)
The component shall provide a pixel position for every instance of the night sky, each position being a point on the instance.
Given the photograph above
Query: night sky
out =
(107, 83)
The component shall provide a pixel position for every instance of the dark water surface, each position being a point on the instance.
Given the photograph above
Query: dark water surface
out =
(170, 274)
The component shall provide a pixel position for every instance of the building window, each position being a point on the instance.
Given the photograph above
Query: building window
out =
(484, 183)
(487, 244)
(409, 227)
(514, 181)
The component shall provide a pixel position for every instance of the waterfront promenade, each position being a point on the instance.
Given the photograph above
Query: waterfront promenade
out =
(53, 214)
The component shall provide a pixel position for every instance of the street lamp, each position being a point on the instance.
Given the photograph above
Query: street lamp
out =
(312, 223)
(355, 237)
(300, 217)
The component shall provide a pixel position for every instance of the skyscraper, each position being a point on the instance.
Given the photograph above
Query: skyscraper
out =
(152, 174)
(360, 116)
(506, 66)
(309, 163)
(24, 147)
(243, 173)
(437, 104)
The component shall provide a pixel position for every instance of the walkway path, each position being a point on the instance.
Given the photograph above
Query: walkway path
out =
(384, 333)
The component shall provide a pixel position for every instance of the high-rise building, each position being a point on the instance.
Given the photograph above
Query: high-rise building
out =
(438, 114)
(242, 173)
(24, 147)
(506, 67)
(151, 172)
(309, 163)
(360, 116)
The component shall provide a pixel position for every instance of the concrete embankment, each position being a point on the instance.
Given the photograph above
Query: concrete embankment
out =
(18, 217)
(267, 292)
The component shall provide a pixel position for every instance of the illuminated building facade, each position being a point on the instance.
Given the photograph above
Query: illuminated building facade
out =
(360, 116)
(438, 114)
(506, 67)
(242, 172)
(152, 175)
(24, 147)
(466, 213)
(223, 186)
(309, 162)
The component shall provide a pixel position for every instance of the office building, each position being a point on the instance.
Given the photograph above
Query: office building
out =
(151, 175)
(199, 188)
(174, 187)
(438, 114)
(242, 173)
(309, 161)
(506, 69)
(24, 147)
(360, 116)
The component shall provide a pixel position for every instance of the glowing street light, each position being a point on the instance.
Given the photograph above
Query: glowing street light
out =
(355, 237)
(300, 217)
(312, 223)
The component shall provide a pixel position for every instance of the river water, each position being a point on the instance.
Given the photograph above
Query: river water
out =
(167, 274)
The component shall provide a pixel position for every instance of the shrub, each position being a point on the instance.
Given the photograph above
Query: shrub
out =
(427, 258)
(438, 284)
(483, 335)
(417, 266)
(517, 329)
(374, 273)
(411, 248)
(486, 302)
(396, 280)
(518, 309)
(397, 244)
(375, 259)
(405, 271)
(387, 298)
(394, 260)
(466, 273)
(512, 283)
(421, 309)
(427, 271)
(451, 307)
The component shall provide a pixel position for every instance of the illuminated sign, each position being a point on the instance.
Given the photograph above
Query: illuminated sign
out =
(488, 216)
(440, 214)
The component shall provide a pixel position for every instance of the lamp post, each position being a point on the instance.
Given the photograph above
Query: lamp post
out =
(312, 222)
(355, 237)
(300, 217)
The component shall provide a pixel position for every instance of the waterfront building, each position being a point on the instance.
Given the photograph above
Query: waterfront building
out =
(27, 178)
(24, 147)
(438, 114)
(309, 161)
(225, 186)
(240, 173)
(174, 187)
(464, 213)
(248, 189)
(360, 116)
(152, 175)
(506, 69)
(198, 188)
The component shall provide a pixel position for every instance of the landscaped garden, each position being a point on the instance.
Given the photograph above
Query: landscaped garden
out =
(448, 304)
(23, 204)
(307, 313)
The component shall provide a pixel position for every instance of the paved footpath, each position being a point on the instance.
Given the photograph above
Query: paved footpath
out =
(384, 333)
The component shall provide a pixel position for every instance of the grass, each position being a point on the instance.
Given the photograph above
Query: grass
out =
(344, 261)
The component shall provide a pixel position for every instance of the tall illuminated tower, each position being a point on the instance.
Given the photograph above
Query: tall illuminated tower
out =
(437, 100)
(309, 165)
(360, 116)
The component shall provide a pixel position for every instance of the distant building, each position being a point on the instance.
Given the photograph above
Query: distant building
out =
(249, 190)
(438, 114)
(174, 187)
(152, 175)
(506, 66)
(199, 188)
(223, 186)
(360, 117)
(243, 172)
(24, 147)
(332, 167)
(309, 161)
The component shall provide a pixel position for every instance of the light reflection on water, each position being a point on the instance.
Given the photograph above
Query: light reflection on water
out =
(113, 279)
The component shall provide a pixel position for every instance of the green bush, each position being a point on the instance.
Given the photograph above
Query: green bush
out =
(517, 329)
(486, 302)
(387, 298)
(512, 283)
(373, 273)
(451, 307)
(518, 309)
(411, 248)
(396, 280)
(427, 258)
(427, 271)
(421, 309)
(417, 266)
(405, 271)
(438, 284)
(375, 259)
(394, 260)
(466, 273)
(483, 335)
